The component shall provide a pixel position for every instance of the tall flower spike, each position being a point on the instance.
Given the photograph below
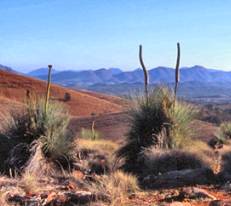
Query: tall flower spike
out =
(146, 77)
(48, 87)
(177, 71)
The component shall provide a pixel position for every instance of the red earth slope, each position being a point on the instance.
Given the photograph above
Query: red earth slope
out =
(13, 89)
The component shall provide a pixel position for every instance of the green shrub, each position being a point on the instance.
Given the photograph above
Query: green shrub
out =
(157, 121)
(88, 134)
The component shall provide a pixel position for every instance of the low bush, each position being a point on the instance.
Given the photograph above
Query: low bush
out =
(29, 183)
(157, 162)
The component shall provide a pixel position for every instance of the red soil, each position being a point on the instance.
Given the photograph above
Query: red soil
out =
(13, 87)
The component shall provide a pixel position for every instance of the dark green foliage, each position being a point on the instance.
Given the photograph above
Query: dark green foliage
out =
(226, 163)
(18, 157)
(157, 162)
(5, 146)
(157, 122)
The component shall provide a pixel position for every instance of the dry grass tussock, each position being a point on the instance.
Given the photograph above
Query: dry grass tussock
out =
(203, 151)
(29, 183)
(117, 186)
(89, 134)
(101, 145)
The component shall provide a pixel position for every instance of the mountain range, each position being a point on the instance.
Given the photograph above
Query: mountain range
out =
(195, 82)
(117, 76)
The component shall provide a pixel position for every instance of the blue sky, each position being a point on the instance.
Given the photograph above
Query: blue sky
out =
(90, 34)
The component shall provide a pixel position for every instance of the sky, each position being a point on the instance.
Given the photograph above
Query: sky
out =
(91, 34)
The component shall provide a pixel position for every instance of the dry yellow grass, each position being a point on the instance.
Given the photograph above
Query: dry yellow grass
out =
(202, 150)
(98, 145)
(118, 186)
(29, 183)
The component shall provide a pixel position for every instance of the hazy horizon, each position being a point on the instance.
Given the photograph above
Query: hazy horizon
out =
(88, 34)
(124, 70)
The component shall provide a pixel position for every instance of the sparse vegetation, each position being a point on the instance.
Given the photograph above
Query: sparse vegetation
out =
(159, 146)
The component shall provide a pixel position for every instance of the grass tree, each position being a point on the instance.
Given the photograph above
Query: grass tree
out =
(159, 122)
(162, 122)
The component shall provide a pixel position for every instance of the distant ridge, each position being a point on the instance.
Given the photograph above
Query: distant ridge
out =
(40, 72)
(111, 76)
(6, 68)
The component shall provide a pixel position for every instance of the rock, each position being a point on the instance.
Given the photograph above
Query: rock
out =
(220, 203)
(57, 198)
(84, 197)
(197, 193)
(179, 178)
(24, 200)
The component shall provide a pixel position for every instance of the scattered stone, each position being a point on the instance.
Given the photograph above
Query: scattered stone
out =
(179, 178)
(197, 193)
(57, 199)
(220, 203)
(24, 200)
